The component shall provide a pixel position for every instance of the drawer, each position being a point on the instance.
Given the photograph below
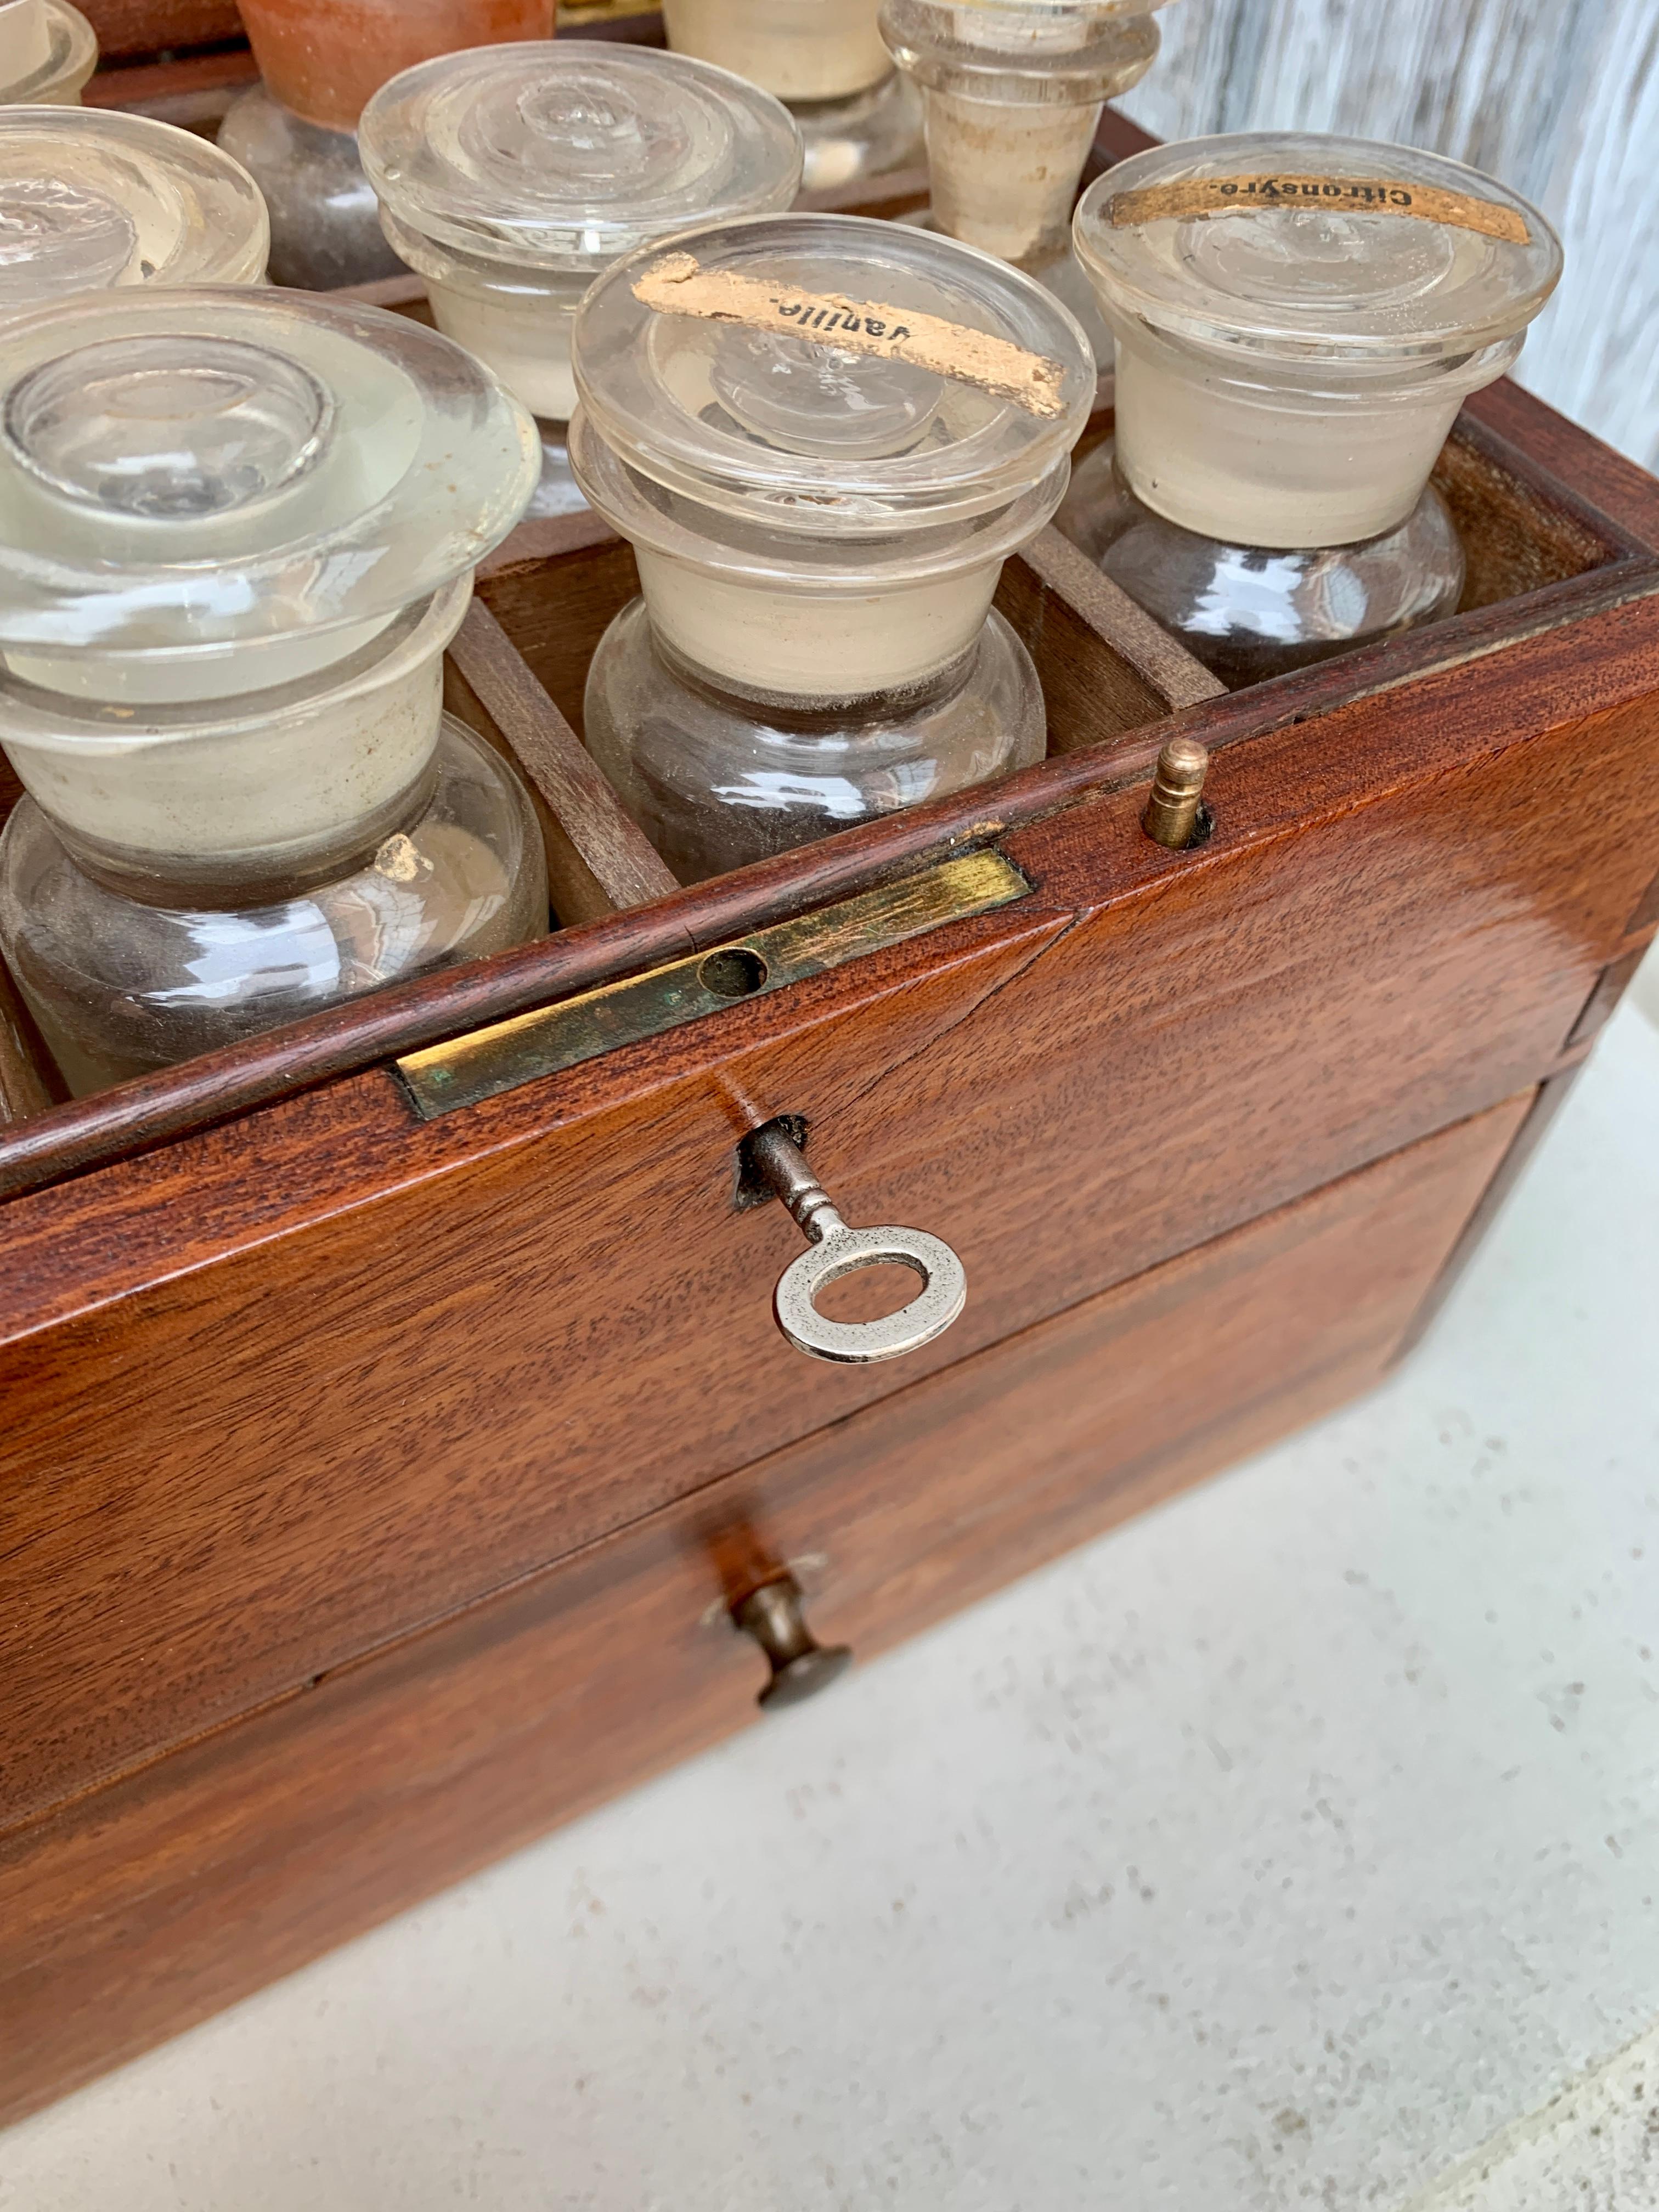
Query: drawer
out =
(140, 1907)
(297, 1383)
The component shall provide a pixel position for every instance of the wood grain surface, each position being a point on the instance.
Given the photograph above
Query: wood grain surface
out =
(598, 859)
(321, 1376)
(137, 1910)
(146, 26)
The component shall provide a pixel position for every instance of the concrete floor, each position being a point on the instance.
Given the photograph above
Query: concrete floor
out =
(1296, 1845)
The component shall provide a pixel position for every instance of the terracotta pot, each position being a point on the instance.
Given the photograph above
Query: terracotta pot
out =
(324, 58)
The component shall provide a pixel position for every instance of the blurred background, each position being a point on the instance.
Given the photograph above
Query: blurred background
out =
(1559, 97)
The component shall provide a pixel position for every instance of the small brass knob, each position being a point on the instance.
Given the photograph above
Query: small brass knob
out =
(1175, 809)
(801, 1665)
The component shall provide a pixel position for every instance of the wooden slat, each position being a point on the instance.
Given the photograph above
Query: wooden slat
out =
(583, 810)
(26, 1087)
(150, 27)
(1170, 674)
(193, 93)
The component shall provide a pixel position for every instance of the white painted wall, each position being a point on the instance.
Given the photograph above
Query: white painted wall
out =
(1559, 97)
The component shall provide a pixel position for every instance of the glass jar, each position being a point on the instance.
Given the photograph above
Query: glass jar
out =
(99, 199)
(295, 131)
(511, 176)
(819, 530)
(47, 52)
(1012, 94)
(825, 60)
(1298, 319)
(237, 530)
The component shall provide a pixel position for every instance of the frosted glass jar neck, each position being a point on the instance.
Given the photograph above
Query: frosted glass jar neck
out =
(798, 50)
(99, 199)
(808, 618)
(270, 784)
(47, 52)
(1304, 459)
(814, 645)
(517, 321)
(1003, 176)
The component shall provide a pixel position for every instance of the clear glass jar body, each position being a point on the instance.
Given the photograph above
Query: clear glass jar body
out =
(718, 773)
(324, 222)
(1252, 611)
(741, 709)
(47, 52)
(241, 530)
(122, 984)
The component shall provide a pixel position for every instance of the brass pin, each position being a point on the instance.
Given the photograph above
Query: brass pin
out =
(1171, 816)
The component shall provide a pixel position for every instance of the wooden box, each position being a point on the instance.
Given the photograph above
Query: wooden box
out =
(377, 1487)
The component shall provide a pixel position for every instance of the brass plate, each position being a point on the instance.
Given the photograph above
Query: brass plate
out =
(487, 1061)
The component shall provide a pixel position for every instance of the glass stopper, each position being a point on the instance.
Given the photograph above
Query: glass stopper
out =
(57, 236)
(803, 398)
(168, 426)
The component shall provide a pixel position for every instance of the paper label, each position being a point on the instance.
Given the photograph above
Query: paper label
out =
(676, 286)
(1208, 196)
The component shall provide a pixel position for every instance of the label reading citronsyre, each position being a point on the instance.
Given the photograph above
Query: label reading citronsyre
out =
(676, 285)
(1208, 196)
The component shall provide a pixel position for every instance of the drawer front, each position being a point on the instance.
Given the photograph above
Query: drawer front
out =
(154, 1900)
(328, 1373)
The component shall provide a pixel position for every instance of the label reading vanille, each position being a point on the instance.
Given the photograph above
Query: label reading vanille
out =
(676, 285)
(1208, 196)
